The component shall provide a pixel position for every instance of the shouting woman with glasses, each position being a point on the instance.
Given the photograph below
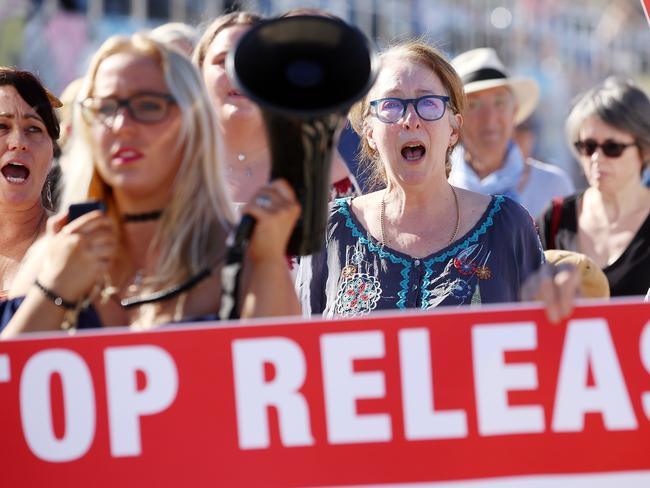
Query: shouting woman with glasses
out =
(146, 149)
(609, 131)
(419, 242)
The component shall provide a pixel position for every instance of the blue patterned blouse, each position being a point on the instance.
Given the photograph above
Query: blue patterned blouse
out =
(355, 275)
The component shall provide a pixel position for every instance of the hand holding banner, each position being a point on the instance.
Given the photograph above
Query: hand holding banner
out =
(438, 397)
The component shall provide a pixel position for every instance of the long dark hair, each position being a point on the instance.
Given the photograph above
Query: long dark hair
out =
(35, 95)
(40, 99)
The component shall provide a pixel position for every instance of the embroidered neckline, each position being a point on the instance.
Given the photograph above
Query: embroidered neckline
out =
(342, 205)
(487, 220)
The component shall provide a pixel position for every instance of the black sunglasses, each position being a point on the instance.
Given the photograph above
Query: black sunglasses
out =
(610, 148)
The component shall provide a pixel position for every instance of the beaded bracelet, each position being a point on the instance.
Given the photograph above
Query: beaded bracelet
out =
(54, 298)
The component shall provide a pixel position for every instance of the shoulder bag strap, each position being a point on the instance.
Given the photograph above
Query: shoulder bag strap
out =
(556, 216)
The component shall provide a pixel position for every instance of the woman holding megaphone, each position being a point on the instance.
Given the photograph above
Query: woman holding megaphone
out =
(245, 152)
(151, 253)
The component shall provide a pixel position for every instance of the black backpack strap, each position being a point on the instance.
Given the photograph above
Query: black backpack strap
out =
(556, 217)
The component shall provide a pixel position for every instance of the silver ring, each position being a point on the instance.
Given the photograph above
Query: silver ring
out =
(263, 201)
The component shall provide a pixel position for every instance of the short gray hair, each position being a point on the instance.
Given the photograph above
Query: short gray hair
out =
(619, 103)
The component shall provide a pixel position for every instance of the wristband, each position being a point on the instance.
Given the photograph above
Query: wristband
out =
(54, 298)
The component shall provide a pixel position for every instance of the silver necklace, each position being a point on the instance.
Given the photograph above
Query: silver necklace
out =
(248, 171)
(382, 212)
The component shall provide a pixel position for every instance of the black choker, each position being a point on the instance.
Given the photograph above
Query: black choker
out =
(142, 217)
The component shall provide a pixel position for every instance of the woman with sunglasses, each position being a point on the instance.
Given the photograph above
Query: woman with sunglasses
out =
(420, 242)
(608, 129)
(145, 146)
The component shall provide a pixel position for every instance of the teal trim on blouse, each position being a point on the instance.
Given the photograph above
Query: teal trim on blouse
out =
(404, 284)
(343, 207)
(489, 221)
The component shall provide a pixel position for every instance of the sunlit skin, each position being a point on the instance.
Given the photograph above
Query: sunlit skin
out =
(25, 159)
(489, 126)
(228, 102)
(609, 175)
(241, 123)
(138, 160)
(419, 203)
(24, 141)
(239, 119)
(616, 203)
(403, 79)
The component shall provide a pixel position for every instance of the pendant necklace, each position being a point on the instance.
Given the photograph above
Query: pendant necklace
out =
(248, 171)
(248, 163)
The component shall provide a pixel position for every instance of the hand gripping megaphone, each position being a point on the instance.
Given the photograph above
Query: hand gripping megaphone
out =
(305, 73)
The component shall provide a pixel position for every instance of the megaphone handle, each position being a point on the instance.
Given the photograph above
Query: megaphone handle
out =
(231, 271)
(243, 233)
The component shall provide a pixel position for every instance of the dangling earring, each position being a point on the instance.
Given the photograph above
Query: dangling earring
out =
(450, 149)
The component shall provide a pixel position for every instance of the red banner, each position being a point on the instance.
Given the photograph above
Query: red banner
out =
(394, 399)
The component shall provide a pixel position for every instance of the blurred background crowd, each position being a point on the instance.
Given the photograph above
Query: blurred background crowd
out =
(520, 70)
(566, 46)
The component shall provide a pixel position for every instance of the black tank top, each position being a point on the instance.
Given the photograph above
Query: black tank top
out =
(628, 275)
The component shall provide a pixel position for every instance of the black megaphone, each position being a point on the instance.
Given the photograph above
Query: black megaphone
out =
(305, 73)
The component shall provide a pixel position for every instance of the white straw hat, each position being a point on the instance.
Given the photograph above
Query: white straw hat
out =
(481, 69)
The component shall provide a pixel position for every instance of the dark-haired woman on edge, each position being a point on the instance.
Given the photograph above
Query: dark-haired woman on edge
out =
(28, 133)
(145, 145)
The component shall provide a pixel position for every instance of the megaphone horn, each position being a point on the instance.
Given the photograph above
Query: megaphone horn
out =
(304, 72)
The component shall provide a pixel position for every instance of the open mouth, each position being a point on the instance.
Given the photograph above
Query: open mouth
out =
(126, 155)
(413, 152)
(15, 173)
(234, 93)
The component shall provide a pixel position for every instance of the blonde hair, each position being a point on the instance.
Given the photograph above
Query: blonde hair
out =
(64, 113)
(220, 23)
(416, 51)
(192, 228)
(174, 33)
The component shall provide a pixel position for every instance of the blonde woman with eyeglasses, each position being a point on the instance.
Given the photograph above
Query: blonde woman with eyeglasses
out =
(145, 146)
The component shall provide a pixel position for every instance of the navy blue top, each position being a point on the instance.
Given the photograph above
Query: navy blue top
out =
(88, 317)
(355, 274)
